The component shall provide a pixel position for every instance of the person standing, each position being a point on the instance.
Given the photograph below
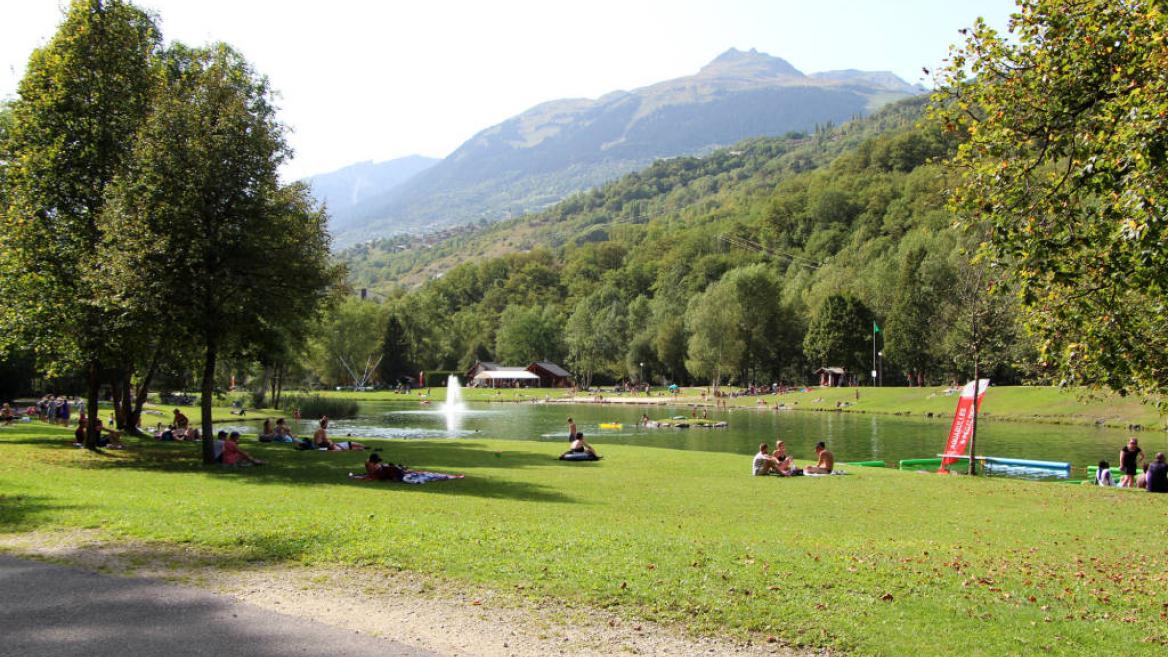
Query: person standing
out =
(1156, 477)
(571, 430)
(1130, 457)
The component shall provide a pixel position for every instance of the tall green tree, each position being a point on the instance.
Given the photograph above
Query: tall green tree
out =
(83, 98)
(714, 321)
(840, 334)
(912, 326)
(529, 334)
(596, 334)
(213, 236)
(348, 346)
(1064, 172)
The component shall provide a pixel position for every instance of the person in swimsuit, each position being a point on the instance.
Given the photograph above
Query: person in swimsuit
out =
(782, 459)
(383, 471)
(320, 439)
(1130, 457)
(826, 461)
(571, 430)
(580, 446)
(1103, 474)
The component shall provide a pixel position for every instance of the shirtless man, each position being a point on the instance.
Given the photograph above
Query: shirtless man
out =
(571, 430)
(826, 460)
(320, 439)
(579, 446)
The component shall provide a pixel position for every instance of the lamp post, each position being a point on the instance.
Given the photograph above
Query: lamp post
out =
(642, 377)
(880, 368)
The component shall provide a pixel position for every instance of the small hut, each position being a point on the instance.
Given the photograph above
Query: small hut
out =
(831, 377)
(550, 375)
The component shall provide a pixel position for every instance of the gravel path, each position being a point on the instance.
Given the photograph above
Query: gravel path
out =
(48, 610)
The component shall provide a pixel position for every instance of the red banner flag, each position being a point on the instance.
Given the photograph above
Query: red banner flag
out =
(962, 428)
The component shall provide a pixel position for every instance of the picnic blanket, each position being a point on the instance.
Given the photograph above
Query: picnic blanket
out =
(414, 477)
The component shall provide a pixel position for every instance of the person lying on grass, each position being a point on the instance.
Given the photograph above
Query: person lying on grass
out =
(580, 446)
(826, 460)
(320, 439)
(233, 455)
(375, 470)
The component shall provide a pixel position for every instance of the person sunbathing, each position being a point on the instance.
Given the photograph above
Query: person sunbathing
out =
(320, 440)
(233, 455)
(826, 461)
(379, 471)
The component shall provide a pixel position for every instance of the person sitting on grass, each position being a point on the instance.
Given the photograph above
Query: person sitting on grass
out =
(283, 432)
(764, 463)
(111, 438)
(580, 446)
(6, 414)
(268, 433)
(218, 446)
(1156, 476)
(826, 461)
(1103, 474)
(320, 440)
(233, 455)
(783, 461)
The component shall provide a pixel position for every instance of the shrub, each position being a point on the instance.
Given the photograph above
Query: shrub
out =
(315, 406)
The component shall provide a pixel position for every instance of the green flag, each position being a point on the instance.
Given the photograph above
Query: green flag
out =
(875, 328)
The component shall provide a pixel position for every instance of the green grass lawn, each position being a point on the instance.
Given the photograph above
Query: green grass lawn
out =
(880, 562)
(1046, 404)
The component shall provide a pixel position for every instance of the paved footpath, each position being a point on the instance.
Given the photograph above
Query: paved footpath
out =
(56, 611)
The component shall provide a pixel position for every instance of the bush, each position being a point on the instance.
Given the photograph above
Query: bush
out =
(315, 406)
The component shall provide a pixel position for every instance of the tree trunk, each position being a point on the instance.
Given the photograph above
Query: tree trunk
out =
(973, 431)
(116, 377)
(93, 383)
(143, 389)
(205, 404)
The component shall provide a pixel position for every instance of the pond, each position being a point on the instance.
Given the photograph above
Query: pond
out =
(853, 437)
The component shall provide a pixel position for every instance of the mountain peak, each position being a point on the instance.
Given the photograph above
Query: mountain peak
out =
(750, 63)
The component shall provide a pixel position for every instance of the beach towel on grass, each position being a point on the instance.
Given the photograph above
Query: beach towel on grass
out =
(423, 477)
(413, 477)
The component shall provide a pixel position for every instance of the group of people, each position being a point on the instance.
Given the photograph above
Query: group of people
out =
(58, 409)
(780, 463)
(1153, 479)
(106, 437)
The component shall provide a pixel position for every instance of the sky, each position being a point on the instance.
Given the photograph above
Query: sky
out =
(381, 79)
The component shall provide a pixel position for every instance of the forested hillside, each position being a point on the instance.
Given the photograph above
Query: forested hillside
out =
(753, 264)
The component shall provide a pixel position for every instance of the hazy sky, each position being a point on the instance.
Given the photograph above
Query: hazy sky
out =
(379, 79)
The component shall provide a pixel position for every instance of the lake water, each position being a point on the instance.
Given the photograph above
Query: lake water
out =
(853, 437)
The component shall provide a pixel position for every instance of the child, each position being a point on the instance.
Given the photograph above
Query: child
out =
(1103, 474)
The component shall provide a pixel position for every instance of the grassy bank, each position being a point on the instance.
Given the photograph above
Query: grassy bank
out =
(1013, 403)
(875, 563)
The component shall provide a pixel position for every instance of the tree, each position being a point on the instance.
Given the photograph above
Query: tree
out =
(529, 334)
(714, 321)
(911, 334)
(1064, 171)
(596, 334)
(81, 101)
(210, 230)
(840, 334)
(349, 344)
(396, 360)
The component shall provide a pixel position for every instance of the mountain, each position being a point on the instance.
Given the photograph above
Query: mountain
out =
(347, 188)
(539, 157)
